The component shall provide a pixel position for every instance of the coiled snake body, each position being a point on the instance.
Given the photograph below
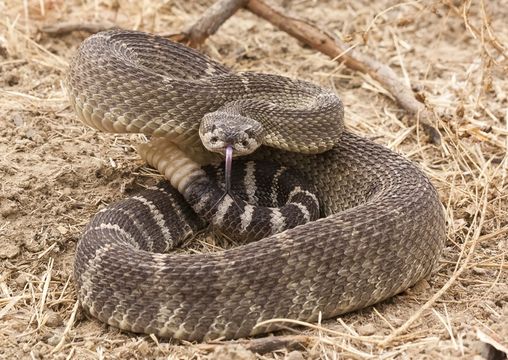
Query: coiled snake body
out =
(382, 226)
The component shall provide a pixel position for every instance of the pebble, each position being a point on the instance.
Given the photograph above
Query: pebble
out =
(232, 352)
(21, 280)
(295, 355)
(9, 250)
(479, 271)
(53, 319)
(54, 339)
(8, 208)
(367, 329)
(62, 229)
(420, 287)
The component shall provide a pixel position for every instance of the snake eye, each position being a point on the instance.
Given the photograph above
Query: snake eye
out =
(214, 139)
(245, 143)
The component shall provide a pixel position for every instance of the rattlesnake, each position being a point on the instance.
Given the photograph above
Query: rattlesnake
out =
(381, 229)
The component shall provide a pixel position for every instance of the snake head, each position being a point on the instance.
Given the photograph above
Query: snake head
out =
(221, 129)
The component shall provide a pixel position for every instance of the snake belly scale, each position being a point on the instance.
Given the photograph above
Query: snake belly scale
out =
(381, 229)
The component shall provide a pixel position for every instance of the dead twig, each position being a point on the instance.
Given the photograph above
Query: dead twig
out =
(267, 344)
(95, 27)
(68, 27)
(209, 22)
(273, 343)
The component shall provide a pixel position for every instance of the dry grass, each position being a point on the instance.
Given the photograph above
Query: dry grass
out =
(56, 173)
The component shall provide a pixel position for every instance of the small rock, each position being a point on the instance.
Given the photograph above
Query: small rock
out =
(367, 329)
(17, 119)
(395, 322)
(3, 50)
(232, 352)
(295, 355)
(503, 244)
(8, 208)
(12, 79)
(419, 287)
(54, 339)
(479, 271)
(53, 319)
(21, 280)
(33, 243)
(30, 133)
(9, 250)
(37, 139)
(62, 229)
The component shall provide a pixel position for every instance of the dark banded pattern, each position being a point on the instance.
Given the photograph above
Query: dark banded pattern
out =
(158, 219)
(252, 212)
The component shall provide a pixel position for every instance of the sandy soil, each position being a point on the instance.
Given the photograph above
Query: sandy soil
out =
(56, 173)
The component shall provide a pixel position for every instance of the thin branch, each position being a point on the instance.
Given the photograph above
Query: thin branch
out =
(274, 343)
(65, 28)
(330, 45)
(68, 27)
(209, 22)
(267, 344)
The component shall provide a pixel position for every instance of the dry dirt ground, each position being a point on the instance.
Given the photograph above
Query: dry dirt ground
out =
(56, 173)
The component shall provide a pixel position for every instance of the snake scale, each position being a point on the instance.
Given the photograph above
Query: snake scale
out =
(381, 227)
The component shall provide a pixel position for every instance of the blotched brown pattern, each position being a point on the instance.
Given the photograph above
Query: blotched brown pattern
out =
(382, 228)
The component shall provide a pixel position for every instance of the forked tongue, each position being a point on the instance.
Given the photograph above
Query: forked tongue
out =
(228, 162)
